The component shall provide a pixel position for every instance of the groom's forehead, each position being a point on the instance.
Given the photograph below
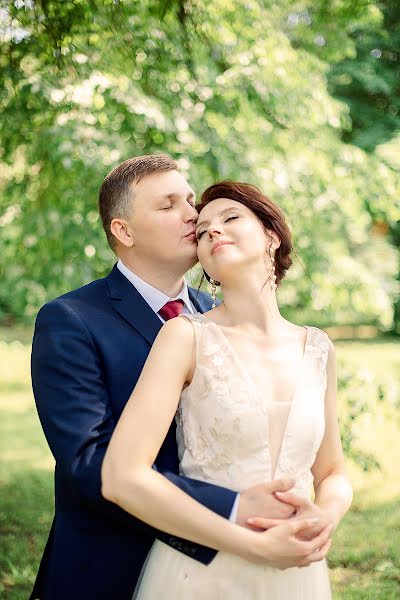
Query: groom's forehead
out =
(187, 193)
(161, 185)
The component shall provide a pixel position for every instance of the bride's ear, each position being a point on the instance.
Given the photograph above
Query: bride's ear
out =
(272, 239)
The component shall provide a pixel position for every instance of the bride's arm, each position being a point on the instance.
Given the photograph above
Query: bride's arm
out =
(333, 490)
(129, 480)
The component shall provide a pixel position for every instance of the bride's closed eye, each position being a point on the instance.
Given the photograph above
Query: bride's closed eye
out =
(226, 220)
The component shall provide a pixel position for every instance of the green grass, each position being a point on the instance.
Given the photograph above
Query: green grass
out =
(365, 557)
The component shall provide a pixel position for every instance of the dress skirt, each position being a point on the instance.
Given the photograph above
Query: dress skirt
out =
(171, 575)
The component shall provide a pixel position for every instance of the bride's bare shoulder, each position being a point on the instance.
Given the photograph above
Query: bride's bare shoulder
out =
(176, 339)
(179, 328)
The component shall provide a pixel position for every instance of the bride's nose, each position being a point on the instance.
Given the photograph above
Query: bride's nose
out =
(214, 229)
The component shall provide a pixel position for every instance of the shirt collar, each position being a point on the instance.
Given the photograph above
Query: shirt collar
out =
(155, 298)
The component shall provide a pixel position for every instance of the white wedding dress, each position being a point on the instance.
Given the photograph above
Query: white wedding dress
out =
(230, 434)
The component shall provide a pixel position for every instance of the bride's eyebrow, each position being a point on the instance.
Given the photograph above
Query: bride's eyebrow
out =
(226, 210)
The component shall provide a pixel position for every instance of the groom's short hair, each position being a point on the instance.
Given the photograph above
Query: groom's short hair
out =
(116, 194)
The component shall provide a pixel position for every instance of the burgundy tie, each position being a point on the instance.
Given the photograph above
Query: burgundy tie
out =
(171, 309)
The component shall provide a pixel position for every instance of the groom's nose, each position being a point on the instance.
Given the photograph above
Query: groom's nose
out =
(190, 214)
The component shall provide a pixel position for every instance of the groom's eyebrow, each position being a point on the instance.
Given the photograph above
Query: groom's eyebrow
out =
(172, 195)
(222, 212)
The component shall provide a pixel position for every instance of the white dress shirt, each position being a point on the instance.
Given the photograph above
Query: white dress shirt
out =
(156, 300)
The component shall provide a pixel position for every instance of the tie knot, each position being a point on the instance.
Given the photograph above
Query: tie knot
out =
(172, 309)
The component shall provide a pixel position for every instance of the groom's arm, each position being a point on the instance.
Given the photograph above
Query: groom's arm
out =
(76, 417)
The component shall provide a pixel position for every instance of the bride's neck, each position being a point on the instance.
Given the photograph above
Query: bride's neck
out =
(251, 306)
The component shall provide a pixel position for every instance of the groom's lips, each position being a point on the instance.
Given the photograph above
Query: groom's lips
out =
(191, 235)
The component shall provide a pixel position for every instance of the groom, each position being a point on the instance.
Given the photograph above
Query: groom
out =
(88, 351)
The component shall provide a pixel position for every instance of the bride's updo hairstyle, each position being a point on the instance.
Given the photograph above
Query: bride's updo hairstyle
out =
(265, 210)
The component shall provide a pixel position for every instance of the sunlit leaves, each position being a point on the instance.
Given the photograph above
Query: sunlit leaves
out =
(232, 91)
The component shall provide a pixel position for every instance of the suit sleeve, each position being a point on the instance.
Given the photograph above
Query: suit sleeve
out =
(75, 413)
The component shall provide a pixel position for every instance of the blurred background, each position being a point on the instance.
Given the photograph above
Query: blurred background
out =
(301, 98)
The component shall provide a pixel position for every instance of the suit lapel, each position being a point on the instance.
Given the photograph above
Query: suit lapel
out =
(198, 301)
(132, 307)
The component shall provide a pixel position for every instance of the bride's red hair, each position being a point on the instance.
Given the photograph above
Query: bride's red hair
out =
(265, 210)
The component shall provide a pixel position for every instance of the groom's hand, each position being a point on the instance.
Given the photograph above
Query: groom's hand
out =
(260, 501)
(304, 509)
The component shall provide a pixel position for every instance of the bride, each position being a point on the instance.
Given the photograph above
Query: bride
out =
(254, 397)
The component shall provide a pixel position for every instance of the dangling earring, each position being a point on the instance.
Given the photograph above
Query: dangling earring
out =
(273, 276)
(213, 292)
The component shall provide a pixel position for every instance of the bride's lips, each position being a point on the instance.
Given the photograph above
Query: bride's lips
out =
(218, 245)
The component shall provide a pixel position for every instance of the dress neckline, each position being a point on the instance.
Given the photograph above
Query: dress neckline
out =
(248, 378)
(236, 356)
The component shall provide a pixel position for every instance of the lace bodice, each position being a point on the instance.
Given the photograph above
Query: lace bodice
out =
(225, 421)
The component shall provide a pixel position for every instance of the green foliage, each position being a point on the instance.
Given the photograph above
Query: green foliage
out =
(230, 93)
(369, 81)
(352, 390)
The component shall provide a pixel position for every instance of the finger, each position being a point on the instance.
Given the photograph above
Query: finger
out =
(294, 499)
(312, 532)
(264, 523)
(297, 525)
(281, 485)
(321, 553)
(320, 540)
(309, 534)
(317, 555)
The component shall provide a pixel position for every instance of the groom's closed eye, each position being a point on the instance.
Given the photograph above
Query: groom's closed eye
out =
(190, 201)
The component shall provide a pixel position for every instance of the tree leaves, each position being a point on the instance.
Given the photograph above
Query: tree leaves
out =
(231, 92)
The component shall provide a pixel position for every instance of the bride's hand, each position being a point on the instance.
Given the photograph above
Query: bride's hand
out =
(283, 547)
(304, 507)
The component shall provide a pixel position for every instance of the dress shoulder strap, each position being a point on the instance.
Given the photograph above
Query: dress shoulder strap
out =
(318, 345)
(208, 342)
(193, 318)
(196, 324)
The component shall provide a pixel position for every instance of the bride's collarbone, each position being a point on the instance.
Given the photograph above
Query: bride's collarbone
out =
(277, 348)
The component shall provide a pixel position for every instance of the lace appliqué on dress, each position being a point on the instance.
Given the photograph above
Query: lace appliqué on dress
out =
(223, 416)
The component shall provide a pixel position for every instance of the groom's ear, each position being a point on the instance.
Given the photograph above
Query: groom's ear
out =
(122, 232)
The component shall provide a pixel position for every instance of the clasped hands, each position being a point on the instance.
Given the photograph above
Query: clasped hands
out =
(300, 531)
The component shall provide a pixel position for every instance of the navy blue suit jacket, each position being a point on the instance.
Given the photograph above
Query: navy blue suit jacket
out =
(89, 348)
